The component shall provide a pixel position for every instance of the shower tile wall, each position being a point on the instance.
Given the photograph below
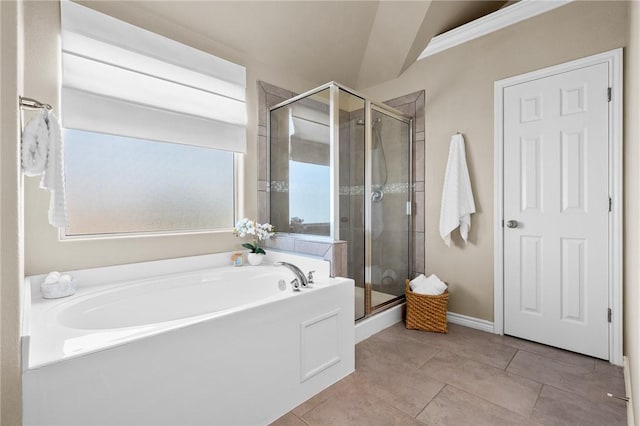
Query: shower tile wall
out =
(350, 204)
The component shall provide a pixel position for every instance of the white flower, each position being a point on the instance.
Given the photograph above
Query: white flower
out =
(246, 227)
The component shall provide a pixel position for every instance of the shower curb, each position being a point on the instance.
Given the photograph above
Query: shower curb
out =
(378, 322)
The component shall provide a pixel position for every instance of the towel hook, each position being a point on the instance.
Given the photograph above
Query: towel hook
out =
(30, 103)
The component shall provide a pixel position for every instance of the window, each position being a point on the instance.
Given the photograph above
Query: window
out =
(151, 129)
(118, 185)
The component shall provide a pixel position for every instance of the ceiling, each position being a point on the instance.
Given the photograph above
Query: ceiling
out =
(357, 43)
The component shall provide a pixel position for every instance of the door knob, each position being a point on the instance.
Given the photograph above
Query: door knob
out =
(512, 224)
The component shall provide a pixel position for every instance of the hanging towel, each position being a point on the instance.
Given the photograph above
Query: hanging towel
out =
(35, 144)
(457, 198)
(42, 153)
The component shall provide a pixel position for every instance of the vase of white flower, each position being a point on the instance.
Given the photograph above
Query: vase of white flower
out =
(259, 232)
(254, 259)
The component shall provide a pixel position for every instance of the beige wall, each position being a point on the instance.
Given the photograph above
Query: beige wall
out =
(459, 91)
(459, 97)
(43, 250)
(632, 204)
(10, 212)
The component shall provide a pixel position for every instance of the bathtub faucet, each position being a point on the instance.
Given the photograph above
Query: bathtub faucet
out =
(302, 279)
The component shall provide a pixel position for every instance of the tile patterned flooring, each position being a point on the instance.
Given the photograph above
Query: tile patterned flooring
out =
(466, 377)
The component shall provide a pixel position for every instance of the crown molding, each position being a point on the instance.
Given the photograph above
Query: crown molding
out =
(520, 11)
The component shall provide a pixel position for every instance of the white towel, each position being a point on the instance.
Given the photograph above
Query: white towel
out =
(35, 145)
(42, 153)
(55, 286)
(432, 285)
(457, 198)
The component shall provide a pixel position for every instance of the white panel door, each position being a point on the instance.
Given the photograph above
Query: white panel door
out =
(556, 207)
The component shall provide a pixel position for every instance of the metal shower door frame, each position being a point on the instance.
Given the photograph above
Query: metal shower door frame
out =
(383, 109)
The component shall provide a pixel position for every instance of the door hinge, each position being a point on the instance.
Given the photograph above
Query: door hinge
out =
(609, 315)
(609, 94)
(610, 204)
(408, 211)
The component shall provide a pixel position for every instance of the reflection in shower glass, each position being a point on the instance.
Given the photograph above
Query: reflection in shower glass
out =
(308, 196)
(299, 166)
(379, 169)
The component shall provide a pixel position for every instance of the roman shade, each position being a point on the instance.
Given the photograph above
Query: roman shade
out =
(123, 80)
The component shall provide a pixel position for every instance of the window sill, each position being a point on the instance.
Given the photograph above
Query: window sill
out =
(62, 237)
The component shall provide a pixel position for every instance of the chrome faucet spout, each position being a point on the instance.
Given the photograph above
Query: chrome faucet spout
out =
(296, 271)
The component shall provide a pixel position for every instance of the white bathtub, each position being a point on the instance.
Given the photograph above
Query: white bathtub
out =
(221, 345)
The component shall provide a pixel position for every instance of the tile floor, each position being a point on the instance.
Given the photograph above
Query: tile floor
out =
(466, 377)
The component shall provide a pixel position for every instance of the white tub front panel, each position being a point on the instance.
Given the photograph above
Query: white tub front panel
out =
(242, 368)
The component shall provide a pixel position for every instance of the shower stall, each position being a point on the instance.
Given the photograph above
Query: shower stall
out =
(340, 170)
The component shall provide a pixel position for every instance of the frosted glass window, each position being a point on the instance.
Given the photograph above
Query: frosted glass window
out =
(119, 185)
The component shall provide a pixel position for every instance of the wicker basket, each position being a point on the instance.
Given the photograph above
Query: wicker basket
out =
(426, 312)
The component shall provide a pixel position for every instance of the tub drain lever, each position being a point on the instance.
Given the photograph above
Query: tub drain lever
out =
(295, 284)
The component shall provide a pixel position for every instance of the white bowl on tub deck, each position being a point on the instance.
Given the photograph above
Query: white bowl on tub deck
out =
(190, 347)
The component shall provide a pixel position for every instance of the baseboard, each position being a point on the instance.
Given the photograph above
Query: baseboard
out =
(627, 390)
(471, 322)
(378, 322)
(375, 324)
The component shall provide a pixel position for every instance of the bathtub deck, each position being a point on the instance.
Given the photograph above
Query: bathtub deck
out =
(185, 347)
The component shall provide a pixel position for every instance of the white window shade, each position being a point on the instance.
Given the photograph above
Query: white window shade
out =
(123, 80)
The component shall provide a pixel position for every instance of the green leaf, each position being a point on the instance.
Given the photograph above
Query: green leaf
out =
(250, 247)
(260, 251)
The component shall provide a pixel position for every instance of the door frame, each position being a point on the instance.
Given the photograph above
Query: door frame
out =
(613, 59)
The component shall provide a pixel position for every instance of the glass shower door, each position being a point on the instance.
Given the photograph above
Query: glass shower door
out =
(340, 172)
(390, 207)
